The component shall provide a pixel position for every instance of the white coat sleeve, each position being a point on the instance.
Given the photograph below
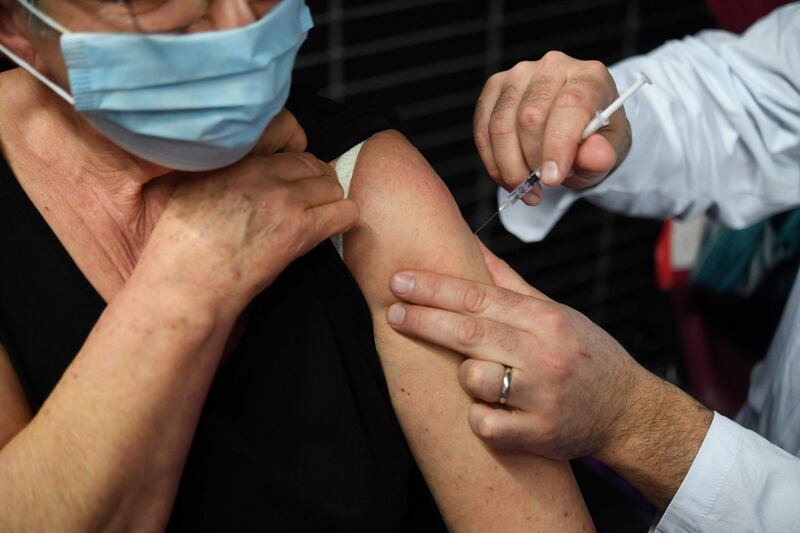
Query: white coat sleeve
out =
(718, 132)
(740, 482)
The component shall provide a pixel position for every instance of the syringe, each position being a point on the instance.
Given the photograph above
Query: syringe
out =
(601, 119)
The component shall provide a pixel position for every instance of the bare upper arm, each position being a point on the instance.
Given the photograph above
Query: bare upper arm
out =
(409, 220)
(15, 413)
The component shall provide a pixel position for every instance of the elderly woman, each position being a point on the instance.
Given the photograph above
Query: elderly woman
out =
(181, 346)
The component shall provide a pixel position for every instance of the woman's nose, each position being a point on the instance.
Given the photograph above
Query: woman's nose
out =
(226, 15)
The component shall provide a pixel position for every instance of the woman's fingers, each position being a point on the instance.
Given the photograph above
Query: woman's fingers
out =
(288, 166)
(318, 191)
(284, 134)
(333, 218)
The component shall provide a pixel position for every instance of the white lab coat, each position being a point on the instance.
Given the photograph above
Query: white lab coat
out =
(719, 133)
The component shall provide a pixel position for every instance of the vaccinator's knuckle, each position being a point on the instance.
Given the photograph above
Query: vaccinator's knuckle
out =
(511, 298)
(474, 379)
(508, 339)
(481, 136)
(431, 286)
(528, 310)
(561, 370)
(500, 126)
(571, 98)
(596, 69)
(476, 299)
(522, 68)
(470, 332)
(532, 116)
(551, 318)
(553, 57)
(487, 429)
(495, 80)
(559, 320)
(423, 320)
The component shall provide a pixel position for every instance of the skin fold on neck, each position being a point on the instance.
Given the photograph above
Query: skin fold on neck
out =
(101, 202)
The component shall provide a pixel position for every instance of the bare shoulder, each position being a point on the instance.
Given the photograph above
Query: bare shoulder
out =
(390, 166)
(408, 217)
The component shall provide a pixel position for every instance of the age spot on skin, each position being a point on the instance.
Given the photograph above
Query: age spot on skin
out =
(585, 355)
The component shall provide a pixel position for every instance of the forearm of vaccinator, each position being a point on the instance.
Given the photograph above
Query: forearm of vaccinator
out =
(107, 449)
(658, 439)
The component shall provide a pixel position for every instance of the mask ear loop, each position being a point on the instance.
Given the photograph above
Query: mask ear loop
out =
(38, 75)
(29, 68)
(43, 17)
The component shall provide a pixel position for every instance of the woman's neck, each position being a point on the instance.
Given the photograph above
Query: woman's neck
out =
(101, 202)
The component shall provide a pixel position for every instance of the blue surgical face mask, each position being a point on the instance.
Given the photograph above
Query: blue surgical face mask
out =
(189, 102)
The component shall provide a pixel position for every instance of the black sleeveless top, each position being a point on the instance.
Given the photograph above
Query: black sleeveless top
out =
(297, 433)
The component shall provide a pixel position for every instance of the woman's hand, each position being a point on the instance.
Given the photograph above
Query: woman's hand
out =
(572, 385)
(532, 116)
(227, 234)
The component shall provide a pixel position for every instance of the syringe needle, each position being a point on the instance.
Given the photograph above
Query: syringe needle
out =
(521, 190)
(487, 222)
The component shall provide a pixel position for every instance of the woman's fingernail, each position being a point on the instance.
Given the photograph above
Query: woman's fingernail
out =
(549, 172)
(396, 315)
(402, 283)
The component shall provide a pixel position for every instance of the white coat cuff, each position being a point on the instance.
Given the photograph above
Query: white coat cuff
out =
(700, 490)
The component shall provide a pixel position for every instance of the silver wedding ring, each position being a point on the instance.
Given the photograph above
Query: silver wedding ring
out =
(506, 390)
